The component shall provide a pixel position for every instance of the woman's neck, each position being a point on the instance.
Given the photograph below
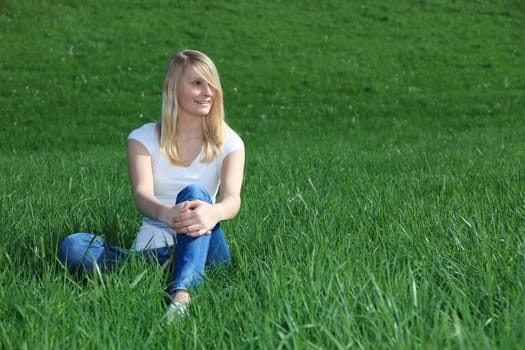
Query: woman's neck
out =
(189, 126)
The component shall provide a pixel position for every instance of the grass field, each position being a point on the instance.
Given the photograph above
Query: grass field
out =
(383, 203)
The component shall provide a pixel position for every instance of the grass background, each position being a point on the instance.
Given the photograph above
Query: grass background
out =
(383, 204)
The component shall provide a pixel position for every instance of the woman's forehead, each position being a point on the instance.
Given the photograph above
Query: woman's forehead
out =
(192, 72)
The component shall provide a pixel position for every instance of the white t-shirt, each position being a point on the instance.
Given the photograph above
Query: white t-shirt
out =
(169, 180)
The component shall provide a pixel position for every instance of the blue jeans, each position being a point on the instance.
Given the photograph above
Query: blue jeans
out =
(82, 252)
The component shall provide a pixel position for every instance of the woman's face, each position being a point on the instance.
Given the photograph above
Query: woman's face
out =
(195, 94)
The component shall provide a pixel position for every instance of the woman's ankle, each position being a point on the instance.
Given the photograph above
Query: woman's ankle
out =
(182, 296)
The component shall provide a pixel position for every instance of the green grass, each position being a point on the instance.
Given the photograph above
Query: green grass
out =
(383, 204)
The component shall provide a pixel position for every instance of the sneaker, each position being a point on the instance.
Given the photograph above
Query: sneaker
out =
(176, 311)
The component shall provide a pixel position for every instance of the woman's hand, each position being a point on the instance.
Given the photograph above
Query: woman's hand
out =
(169, 214)
(194, 218)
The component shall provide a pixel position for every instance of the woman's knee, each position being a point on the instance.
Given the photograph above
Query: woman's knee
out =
(80, 249)
(192, 192)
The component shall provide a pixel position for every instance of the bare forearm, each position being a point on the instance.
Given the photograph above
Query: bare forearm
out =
(150, 206)
(227, 207)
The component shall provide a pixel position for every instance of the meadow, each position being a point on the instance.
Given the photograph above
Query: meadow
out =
(383, 201)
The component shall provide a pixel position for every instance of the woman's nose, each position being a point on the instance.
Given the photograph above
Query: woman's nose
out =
(207, 90)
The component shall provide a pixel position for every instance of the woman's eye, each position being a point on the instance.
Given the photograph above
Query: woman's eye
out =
(196, 82)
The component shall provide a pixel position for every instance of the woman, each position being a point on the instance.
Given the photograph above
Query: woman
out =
(176, 167)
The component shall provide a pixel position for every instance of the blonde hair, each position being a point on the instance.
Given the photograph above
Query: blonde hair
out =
(214, 127)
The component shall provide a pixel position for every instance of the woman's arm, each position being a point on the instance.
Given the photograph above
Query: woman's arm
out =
(231, 182)
(141, 177)
(201, 216)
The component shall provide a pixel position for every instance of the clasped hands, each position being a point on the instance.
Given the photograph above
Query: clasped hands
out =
(193, 218)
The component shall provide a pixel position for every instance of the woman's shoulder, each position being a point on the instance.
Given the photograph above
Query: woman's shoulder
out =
(233, 140)
(147, 136)
(145, 131)
(232, 143)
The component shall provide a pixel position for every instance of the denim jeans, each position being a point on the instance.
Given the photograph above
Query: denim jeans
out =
(84, 252)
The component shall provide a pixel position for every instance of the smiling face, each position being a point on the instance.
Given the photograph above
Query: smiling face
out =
(195, 94)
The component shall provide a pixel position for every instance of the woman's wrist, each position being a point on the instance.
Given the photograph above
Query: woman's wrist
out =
(226, 209)
(163, 214)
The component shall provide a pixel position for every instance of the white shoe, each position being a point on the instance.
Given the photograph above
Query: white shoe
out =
(176, 311)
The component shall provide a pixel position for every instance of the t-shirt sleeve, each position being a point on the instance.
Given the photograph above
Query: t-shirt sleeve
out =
(146, 135)
(233, 143)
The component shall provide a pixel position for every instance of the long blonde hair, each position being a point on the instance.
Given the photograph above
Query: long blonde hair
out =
(214, 127)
